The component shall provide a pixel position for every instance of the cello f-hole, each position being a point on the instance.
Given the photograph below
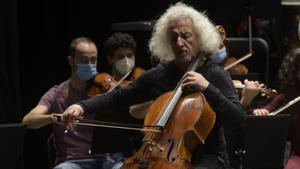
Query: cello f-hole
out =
(171, 142)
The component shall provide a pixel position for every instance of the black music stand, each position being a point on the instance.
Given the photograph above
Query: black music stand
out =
(258, 63)
(238, 9)
(265, 141)
(11, 144)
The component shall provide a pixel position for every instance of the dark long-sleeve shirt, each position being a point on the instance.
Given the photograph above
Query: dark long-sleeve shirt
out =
(220, 94)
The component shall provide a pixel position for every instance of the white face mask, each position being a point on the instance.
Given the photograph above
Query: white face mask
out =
(124, 65)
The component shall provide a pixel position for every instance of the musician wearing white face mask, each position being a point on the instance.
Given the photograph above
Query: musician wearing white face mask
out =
(119, 49)
(125, 64)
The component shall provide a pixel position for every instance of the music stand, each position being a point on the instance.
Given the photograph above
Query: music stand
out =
(265, 141)
(11, 144)
(238, 9)
(238, 47)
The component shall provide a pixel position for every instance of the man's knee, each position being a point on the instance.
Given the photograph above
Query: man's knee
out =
(67, 165)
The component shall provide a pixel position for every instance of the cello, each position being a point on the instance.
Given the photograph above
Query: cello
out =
(179, 121)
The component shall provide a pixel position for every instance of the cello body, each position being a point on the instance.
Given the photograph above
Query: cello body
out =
(189, 124)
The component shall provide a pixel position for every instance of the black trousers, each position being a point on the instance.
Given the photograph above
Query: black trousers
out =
(212, 161)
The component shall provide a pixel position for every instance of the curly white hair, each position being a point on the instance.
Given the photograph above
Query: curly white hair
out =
(159, 43)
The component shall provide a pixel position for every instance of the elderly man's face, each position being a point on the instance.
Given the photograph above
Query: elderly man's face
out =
(184, 40)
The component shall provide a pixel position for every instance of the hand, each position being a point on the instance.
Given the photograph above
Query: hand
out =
(72, 113)
(251, 89)
(260, 112)
(194, 80)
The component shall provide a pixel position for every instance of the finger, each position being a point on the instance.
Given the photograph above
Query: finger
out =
(188, 84)
(72, 124)
(187, 74)
(188, 79)
(266, 112)
(72, 121)
(65, 115)
(254, 112)
(261, 85)
(191, 72)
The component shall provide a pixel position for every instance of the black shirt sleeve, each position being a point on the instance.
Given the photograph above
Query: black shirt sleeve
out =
(143, 89)
(223, 98)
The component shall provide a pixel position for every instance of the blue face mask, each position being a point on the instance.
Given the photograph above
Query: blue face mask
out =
(86, 71)
(219, 55)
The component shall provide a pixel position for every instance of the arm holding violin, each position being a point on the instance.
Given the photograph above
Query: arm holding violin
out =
(277, 101)
(250, 90)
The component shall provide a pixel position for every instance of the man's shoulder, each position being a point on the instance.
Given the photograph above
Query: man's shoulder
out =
(62, 86)
(158, 71)
(58, 89)
(214, 68)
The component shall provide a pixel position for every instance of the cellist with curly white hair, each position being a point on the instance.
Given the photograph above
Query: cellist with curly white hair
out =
(181, 37)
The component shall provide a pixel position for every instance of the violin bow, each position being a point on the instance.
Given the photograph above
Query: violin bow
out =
(96, 123)
(238, 61)
(297, 99)
(120, 81)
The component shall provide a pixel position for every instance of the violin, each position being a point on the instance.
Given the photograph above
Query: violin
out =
(267, 92)
(237, 68)
(104, 82)
(100, 83)
(179, 120)
(137, 72)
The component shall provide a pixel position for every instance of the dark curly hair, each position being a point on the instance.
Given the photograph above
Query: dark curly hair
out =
(116, 41)
(289, 67)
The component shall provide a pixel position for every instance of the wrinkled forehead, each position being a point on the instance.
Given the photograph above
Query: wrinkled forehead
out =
(182, 25)
(180, 21)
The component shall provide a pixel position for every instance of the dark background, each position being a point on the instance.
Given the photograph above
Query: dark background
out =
(34, 39)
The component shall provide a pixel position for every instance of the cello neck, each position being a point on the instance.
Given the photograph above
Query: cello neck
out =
(168, 108)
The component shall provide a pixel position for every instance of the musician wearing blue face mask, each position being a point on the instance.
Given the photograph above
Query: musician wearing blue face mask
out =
(219, 55)
(73, 149)
(86, 71)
